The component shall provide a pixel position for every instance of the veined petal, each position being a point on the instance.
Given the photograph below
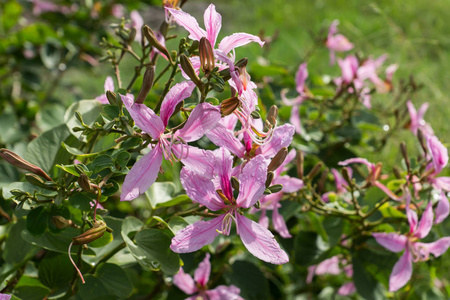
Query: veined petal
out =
(436, 248)
(392, 241)
(439, 153)
(263, 219)
(176, 94)
(442, 209)
(410, 214)
(236, 40)
(202, 119)
(213, 23)
(222, 167)
(401, 273)
(188, 22)
(109, 84)
(294, 119)
(260, 242)
(279, 224)
(142, 174)
(197, 235)
(200, 189)
(201, 275)
(196, 159)
(425, 223)
(252, 182)
(144, 117)
(290, 184)
(282, 137)
(300, 77)
(184, 282)
(223, 137)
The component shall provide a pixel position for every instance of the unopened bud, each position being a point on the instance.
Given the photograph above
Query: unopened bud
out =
(422, 141)
(84, 183)
(61, 222)
(131, 35)
(275, 188)
(35, 180)
(91, 235)
(207, 60)
(346, 176)
(147, 84)
(188, 68)
(235, 183)
(257, 205)
(269, 179)
(397, 173)
(21, 163)
(112, 97)
(314, 171)
(151, 37)
(300, 161)
(273, 113)
(228, 106)
(404, 152)
(278, 159)
(322, 181)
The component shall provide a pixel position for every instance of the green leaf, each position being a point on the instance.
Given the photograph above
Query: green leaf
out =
(50, 116)
(77, 152)
(81, 201)
(160, 194)
(106, 142)
(109, 282)
(43, 151)
(177, 223)
(54, 270)
(365, 284)
(308, 247)
(13, 10)
(111, 110)
(334, 227)
(89, 109)
(37, 221)
(17, 250)
(101, 162)
(31, 289)
(250, 280)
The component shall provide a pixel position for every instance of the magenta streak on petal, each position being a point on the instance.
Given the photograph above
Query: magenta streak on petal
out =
(223, 137)
(213, 23)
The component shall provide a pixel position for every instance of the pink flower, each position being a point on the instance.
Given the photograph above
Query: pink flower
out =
(109, 86)
(339, 182)
(218, 195)
(336, 42)
(417, 121)
(41, 6)
(168, 144)
(5, 296)
(137, 22)
(198, 288)
(374, 174)
(414, 250)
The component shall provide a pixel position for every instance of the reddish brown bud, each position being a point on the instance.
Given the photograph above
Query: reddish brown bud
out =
(151, 37)
(91, 235)
(278, 159)
(228, 106)
(300, 161)
(84, 183)
(207, 60)
(21, 163)
(188, 68)
(315, 170)
(147, 84)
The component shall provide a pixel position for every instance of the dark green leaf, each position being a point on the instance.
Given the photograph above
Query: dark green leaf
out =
(334, 227)
(309, 246)
(54, 270)
(365, 284)
(37, 221)
(17, 250)
(89, 109)
(250, 280)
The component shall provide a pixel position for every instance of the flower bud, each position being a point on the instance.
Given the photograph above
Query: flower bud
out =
(269, 179)
(112, 97)
(147, 84)
(207, 60)
(315, 170)
(346, 176)
(151, 37)
(61, 222)
(84, 183)
(188, 68)
(20, 163)
(90, 235)
(300, 161)
(235, 183)
(278, 159)
(35, 180)
(404, 152)
(422, 141)
(322, 180)
(228, 106)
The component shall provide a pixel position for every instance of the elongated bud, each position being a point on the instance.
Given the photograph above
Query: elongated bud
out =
(346, 176)
(188, 68)
(300, 161)
(315, 170)
(21, 163)
(269, 179)
(35, 180)
(131, 35)
(422, 141)
(235, 183)
(90, 235)
(278, 159)
(322, 180)
(84, 183)
(207, 60)
(397, 173)
(147, 84)
(404, 152)
(276, 188)
(228, 106)
(151, 37)
(111, 96)
(272, 115)
(61, 222)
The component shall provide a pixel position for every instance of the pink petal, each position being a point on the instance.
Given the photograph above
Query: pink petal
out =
(202, 119)
(109, 84)
(199, 160)
(347, 289)
(290, 184)
(137, 22)
(439, 153)
(200, 189)
(300, 77)
(201, 275)
(386, 190)
(410, 214)
(436, 248)
(425, 223)
(311, 272)
(401, 273)
(176, 94)
(357, 160)
(295, 119)
(260, 242)
(188, 22)
(252, 182)
(329, 266)
(279, 224)
(236, 40)
(339, 43)
(213, 23)
(442, 209)
(263, 219)
(282, 137)
(142, 174)
(348, 66)
(291, 102)
(144, 117)
(443, 183)
(223, 166)
(197, 235)
(223, 137)
(390, 70)
(185, 282)
(223, 292)
(392, 241)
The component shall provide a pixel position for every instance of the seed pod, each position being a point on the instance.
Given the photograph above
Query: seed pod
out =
(35, 180)
(151, 37)
(90, 235)
(228, 106)
(21, 163)
(188, 68)
(278, 159)
(207, 60)
(422, 141)
(147, 84)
